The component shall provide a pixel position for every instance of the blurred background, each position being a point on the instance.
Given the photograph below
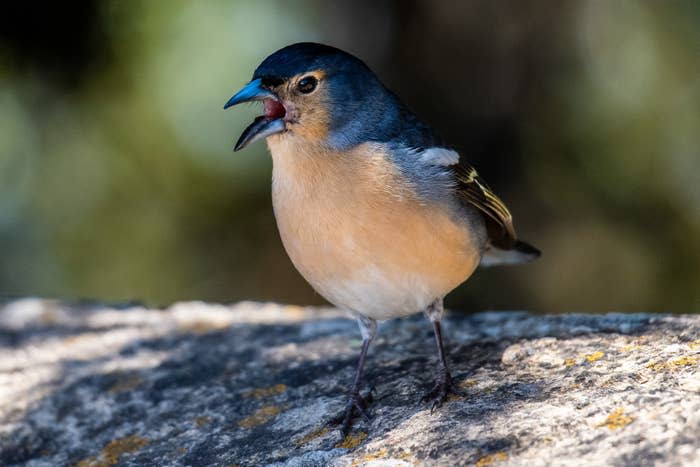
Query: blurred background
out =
(117, 179)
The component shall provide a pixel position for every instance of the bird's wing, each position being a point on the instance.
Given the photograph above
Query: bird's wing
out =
(472, 190)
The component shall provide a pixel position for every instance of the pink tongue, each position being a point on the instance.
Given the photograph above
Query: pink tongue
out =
(273, 109)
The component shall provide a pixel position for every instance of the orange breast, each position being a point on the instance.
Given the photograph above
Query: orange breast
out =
(354, 229)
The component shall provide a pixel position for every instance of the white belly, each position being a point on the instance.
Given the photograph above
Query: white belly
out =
(378, 292)
(364, 247)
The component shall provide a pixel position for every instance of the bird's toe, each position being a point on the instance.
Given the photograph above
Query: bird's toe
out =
(356, 405)
(443, 388)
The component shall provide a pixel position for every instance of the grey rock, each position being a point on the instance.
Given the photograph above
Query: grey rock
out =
(254, 384)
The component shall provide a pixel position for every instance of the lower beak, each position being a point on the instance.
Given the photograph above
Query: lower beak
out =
(263, 126)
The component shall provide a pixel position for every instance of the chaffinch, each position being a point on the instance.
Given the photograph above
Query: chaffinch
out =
(377, 213)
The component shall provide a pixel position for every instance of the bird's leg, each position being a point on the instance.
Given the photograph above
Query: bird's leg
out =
(356, 402)
(444, 384)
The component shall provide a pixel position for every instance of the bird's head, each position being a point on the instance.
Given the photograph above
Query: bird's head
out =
(318, 93)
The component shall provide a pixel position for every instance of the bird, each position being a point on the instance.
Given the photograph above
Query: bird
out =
(375, 210)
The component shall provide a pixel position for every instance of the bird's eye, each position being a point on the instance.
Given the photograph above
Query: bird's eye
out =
(307, 84)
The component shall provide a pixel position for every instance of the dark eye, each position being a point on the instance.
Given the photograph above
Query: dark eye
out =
(307, 84)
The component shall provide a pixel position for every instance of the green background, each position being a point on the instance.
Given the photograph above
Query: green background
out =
(117, 179)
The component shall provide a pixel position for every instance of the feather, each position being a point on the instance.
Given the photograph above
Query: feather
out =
(519, 254)
(439, 156)
(472, 189)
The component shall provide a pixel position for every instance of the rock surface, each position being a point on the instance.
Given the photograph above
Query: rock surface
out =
(251, 384)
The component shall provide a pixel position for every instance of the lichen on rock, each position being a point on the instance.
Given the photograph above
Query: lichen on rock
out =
(255, 384)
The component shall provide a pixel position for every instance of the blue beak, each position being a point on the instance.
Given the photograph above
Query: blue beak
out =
(263, 126)
(252, 91)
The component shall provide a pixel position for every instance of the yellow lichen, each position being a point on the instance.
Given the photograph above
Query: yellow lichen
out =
(311, 436)
(491, 459)
(49, 317)
(675, 364)
(630, 348)
(260, 393)
(404, 456)
(569, 362)
(351, 441)
(260, 416)
(686, 360)
(85, 338)
(383, 454)
(657, 366)
(126, 384)
(616, 419)
(595, 356)
(695, 345)
(113, 451)
(91, 462)
(203, 327)
(373, 456)
(202, 420)
(607, 382)
(467, 383)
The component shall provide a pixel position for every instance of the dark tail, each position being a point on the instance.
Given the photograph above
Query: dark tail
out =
(520, 253)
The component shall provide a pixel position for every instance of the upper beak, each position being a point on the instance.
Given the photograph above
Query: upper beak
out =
(252, 91)
(262, 126)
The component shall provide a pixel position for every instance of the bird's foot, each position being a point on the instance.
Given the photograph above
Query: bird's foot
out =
(356, 404)
(443, 388)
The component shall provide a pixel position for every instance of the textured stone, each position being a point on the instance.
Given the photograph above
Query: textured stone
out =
(250, 384)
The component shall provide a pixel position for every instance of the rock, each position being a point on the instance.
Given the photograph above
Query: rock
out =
(250, 384)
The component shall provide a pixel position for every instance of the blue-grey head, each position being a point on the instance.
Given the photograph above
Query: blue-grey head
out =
(325, 96)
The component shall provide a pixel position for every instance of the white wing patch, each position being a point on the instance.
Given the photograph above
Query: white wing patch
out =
(439, 156)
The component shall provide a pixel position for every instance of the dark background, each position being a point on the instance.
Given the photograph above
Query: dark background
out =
(117, 179)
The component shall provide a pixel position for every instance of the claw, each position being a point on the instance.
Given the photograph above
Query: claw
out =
(356, 404)
(443, 388)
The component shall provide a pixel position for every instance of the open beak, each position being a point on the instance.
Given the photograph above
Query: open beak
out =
(270, 123)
